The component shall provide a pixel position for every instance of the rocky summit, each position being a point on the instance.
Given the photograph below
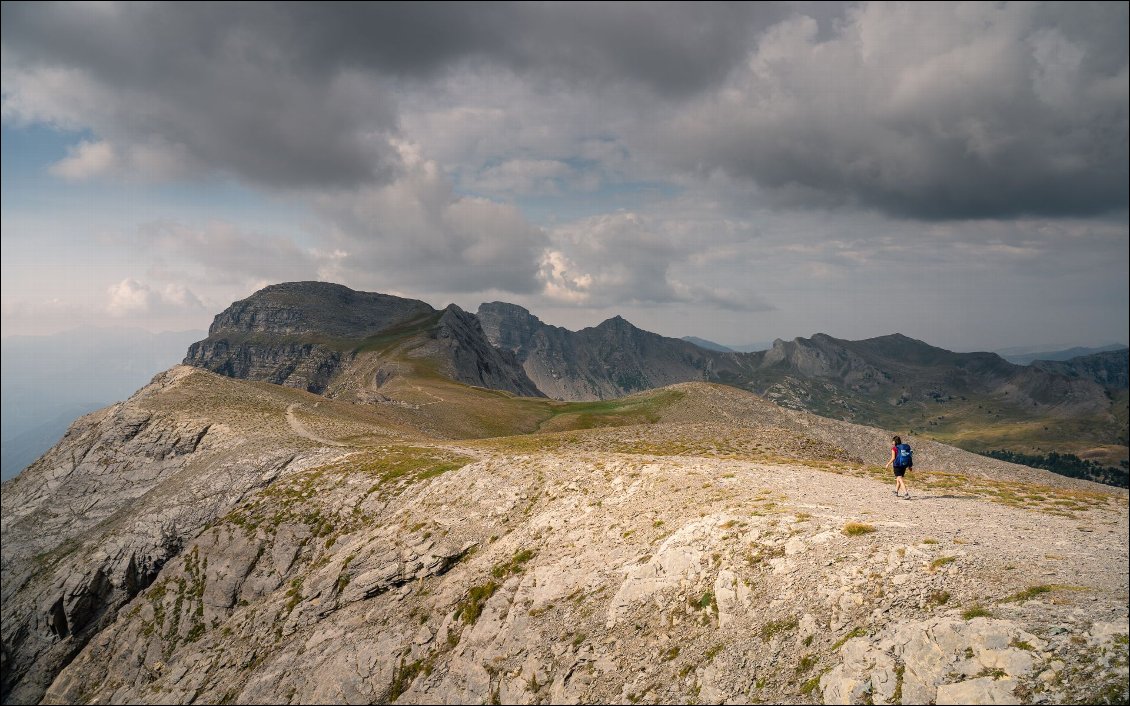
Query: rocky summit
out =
(412, 530)
(310, 335)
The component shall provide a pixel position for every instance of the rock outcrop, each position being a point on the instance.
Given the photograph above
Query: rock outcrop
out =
(93, 522)
(470, 358)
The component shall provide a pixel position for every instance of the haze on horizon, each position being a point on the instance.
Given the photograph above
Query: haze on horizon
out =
(954, 172)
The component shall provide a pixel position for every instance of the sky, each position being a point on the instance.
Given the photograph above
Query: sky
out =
(954, 172)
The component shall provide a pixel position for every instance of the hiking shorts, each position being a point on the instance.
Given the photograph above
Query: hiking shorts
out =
(900, 471)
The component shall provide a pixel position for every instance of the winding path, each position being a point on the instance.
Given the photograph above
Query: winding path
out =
(300, 429)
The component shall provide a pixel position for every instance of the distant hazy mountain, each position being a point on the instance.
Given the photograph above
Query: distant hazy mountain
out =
(1108, 368)
(1024, 356)
(50, 380)
(736, 348)
(752, 347)
(708, 345)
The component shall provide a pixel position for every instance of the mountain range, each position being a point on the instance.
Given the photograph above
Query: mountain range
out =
(1026, 355)
(354, 498)
(330, 340)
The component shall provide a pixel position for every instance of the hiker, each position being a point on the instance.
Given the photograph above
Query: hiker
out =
(901, 460)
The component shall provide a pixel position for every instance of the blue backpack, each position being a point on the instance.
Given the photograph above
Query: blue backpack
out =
(904, 457)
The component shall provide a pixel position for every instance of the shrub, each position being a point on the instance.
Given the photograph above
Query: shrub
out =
(471, 607)
(1029, 593)
(768, 630)
(941, 561)
(976, 611)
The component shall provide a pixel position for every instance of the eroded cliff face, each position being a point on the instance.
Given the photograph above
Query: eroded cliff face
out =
(308, 335)
(298, 334)
(306, 366)
(467, 356)
(602, 362)
(95, 519)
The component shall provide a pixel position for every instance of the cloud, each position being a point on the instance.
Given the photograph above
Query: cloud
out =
(531, 177)
(563, 283)
(783, 159)
(292, 95)
(131, 298)
(220, 88)
(629, 258)
(225, 254)
(417, 233)
(996, 111)
(86, 160)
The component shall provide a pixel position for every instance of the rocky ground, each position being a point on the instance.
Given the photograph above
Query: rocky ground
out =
(729, 551)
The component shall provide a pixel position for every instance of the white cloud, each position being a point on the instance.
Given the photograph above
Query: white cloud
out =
(133, 299)
(226, 254)
(130, 297)
(632, 258)
(562, 282)
(86, 160)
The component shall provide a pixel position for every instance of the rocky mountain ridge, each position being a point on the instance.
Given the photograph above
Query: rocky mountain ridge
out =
(609, 360)
(891, 380)
(307, 334)
(333, 341)
(222, 540)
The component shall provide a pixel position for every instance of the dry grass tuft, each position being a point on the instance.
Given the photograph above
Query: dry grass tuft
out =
(854, 529)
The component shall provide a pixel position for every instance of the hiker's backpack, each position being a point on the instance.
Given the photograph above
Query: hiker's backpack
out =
(904, 457)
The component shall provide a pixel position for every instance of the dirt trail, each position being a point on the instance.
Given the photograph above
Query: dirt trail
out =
(305, 433)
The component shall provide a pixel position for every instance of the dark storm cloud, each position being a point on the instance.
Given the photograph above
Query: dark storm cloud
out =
(923, 111)
(303, 94)
(928, 111)
(674, 49)
(215, 86)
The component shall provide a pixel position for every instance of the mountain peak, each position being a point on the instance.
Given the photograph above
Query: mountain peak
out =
(505, 308)
(320, 308)
(616, 322)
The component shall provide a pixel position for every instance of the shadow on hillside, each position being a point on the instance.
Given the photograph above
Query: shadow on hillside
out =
(941, 497)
